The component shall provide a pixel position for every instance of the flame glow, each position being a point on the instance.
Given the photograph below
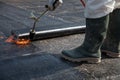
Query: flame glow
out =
(1, 37)
(22, 41)
(10, 39)
(17, 41)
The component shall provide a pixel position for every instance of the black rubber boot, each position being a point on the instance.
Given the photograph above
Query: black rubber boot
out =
(111, 45)
(90, 49)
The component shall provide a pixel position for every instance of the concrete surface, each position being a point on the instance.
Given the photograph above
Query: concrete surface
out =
(41, 60)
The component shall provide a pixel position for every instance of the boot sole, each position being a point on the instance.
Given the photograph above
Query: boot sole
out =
(89, 60)
(111, 54)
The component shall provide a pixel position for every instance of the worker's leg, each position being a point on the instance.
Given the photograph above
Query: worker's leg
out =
(111, 44)
(90, 49)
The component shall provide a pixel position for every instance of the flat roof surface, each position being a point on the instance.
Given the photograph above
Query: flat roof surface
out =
(41, 60)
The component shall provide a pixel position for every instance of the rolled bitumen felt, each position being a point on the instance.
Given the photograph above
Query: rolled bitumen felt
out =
(44, 34)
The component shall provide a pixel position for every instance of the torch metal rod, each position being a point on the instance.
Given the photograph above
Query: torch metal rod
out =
(33, 29)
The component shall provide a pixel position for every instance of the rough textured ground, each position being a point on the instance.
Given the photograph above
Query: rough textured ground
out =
(41, 60)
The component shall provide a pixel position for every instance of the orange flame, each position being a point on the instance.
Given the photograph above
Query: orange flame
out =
(17, 41)
(22, 41)
(10, 39)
